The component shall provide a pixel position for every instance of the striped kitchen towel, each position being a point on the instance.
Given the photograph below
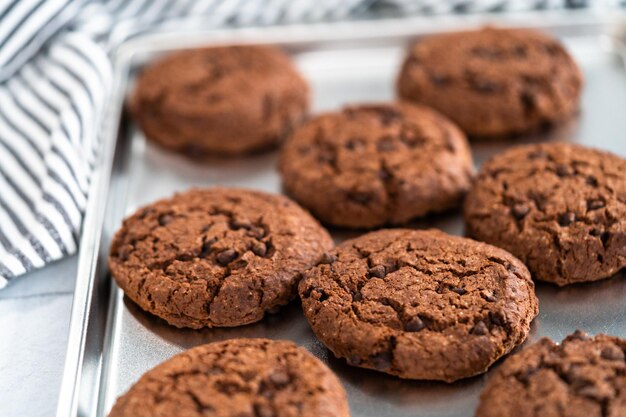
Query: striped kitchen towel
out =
(54, 78)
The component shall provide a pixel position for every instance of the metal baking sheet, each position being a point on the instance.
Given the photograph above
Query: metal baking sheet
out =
(113, 342)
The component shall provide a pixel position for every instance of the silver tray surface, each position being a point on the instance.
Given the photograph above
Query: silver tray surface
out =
(113, 342)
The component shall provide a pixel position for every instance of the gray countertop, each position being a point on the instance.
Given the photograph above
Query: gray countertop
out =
(34, 322)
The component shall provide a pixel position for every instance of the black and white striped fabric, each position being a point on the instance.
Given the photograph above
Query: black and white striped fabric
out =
(54, 78)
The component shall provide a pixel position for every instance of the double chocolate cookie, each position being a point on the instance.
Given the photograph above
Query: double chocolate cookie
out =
(215, 257)
(560, 208)
(222, 100)
(371, 165)
(583, 377)
(493, 82)
(238, 378)
(419, 304)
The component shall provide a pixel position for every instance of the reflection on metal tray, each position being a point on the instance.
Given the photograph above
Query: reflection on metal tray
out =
(112, 342)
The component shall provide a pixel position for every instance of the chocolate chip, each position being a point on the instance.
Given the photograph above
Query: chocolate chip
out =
(514, 270)
(185, 257)
(488, 296)
(537, 155)
(228, 388)
(524, 376)
(551, 49)
(382, 360)
(238, 264)
(165, 219)
(350, 112)
(227, 256)
(206, 247)
(263, 410)
(377, 271)
(483, 85)
(259, 248)
(595, 232)
(142, 215)
(326, 158)
(410, 137)
(394, 266)
(564, 170)
(496, 319)
(519, 51)
(271, 249)
(327, 258)
(578, 335)
(528, 101)
(384, 174)
(388, 115)
(439, 79)
(265, 389)
(280, 378)
(594, 204)
(256, 232)
(239, 224)
(353, 143)
(480, 329)
(604, 237)
(357, 297)
(385, 144)
(414, 324)
(566, 219)
(319, 295)
(217, 71)
(487, 53)
(540, 200)
(612, 353)
(214, 98)
(591, 180)
(358, 197)
(520, 210)
(591, 391)
(458, 290)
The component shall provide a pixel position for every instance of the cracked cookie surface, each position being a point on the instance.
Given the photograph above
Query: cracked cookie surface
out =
(371, 165)
(582, 377)
(493, 82)
(419, 304)
(215, 257)
(560, 208)
(237, 378)
(224, 100)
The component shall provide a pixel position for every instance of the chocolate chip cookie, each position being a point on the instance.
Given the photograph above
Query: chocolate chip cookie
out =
(583, 377)
(493, 82)
(238, 377)
(419, 304)
(215, 257)
(371, 165)
(560, 208)
(222, 100)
